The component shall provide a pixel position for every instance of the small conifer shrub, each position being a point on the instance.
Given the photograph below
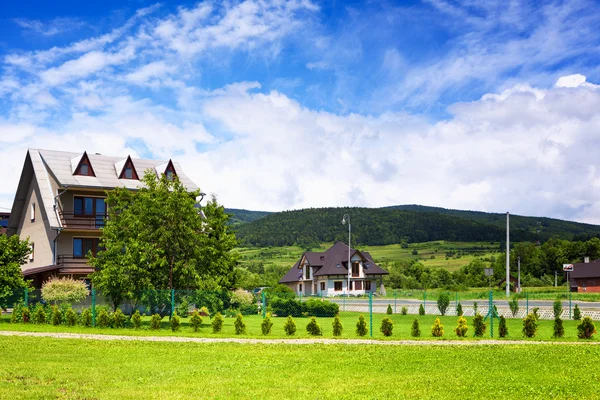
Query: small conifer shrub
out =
(103, 320)
(195, 320)
(217, 323)
(421, 310)
(389, 310)
(240, 325)
(204, 312)
(437, 330)
(25, 315)
(478, 325)
(502, 328)
(557, 308)
(414, 330)
(475, 308)
(266, 325)
(459, 310)
(337, 326)
(155, 321)
(535, 313)
(290, 326)
(119, 319)
(86, 317)
(136, 319)
(462, 327)
(56, 316)
(576, 313)
(361, 326)
(71, 317)
(17, 313)
(513, 304)
(313, 327)
(387, 326)
(586, 328)
(559, 330)
(443, 302)
(39, 314)
(530, 325)
(175, 322)
(404, 310)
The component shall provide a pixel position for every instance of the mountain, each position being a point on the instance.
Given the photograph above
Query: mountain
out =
(396, 224)
(242, 216)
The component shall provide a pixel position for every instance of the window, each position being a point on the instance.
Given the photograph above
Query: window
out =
(355, 269)
(31, 255)
(300, 287)
(85, 167)
(307, 268)
(32, 212)
(82, 246)
(367, 285)
(337, 286)
(358, 285)
(170, 171)
(350, 288)
(128, 171)
(323, 286)
(93, 207)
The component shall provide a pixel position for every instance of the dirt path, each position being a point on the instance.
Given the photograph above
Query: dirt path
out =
(288, 341)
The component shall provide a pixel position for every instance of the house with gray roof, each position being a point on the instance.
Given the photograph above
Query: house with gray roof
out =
(60, 205)
(326, 273)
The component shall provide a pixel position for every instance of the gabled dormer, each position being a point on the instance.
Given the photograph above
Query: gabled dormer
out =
(126, 169)
(167, 169)
(81, 165)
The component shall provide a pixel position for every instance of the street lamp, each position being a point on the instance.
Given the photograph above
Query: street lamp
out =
(344, 219)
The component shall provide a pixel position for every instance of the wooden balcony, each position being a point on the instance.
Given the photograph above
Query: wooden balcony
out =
(72, 221)
(73, 265)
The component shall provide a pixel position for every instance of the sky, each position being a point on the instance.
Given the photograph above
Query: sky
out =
(278, 105)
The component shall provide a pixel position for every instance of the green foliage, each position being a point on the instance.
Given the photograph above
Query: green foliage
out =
(155, 321)
(534, 311)
(71, 317)
(313, 327)
(513, 304)
(443, 302)
(389, 310)
(86, 317)
(337, 326)
(437, 330)
(103, 319)
(530, 325)
(17, 314)
(266, 325)
(64, 290)
(559, 330)
(175, 322)
(361, 326)
(321, 308)
(502, 328)
(414, 329)
(459, 310)
(25, 315)
(387, 326)
(217, 323)
(586, 328)
(576, 313)
(421, 309)
(478, 325)
(285, 307)
(290, 326)
(39, 314)
(240, 325)
(119, 319)
(296, 308)
(475, 307)
(404, 310)
(183, 308)
(195, 320)
(462, 327)
(204, 312)
(241, 298)
(13, 254)
(136, 319)
(558, 308)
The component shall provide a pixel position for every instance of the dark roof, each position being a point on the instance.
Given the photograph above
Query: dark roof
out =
(333, 261)
(586, 270)
(37, 270)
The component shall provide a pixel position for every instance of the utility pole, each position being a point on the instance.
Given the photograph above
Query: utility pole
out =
(519, 274)
(507, 256)
(555, 278)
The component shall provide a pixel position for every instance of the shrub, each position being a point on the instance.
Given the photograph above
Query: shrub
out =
(530, 325)
(586, 328)
(290, 326)
(459, 310)
(286, 307)
(414, 330)
(321, 308)
(389, 310)
(249, 309)
(17, 314)
(56, 316)
(240, 325)
(175, 322)
(559, 330)
(313, 327)
(361, 326)
(513, 304)
(462, 327)
(474, 308)
(183, 309)
(437, 330)
(71, 317)
(443, 302)
(421, 309)
(576, 313)
(204, 312)
(558, 308)
(195, 320)
(103, 319)
(404, 310)
(39, 314)
(119, 319)
(136, 318)
(478, 325)
(86, 317)
(535, 313)
(502, 329)
(155, 321)
(64, 290)
(337, 326)
(386, 327)
(241, 298)
(25, 315)
(266, 325)
(217, 323)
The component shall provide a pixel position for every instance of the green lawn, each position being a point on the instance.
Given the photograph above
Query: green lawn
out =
(45, 368)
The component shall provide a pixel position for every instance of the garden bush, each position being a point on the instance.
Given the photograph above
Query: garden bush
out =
(387, 326)
(266, 325)
(64, 290)
(503, 329)
(437, 330)
(240, 325)
(530, 325)
(136, 319)
(39, 314)
(195, 320)
(204, 312)
(414, 330)
(534, 311)
(475, 308)
(103, 319)
(421, 309)
(183, 309)
(462, 327)
(119, 319)
(313, 327)
(240, 299)
(249, 309)
(337, 326)
(389, 310)
(155, 321)
(404, 310)
(586, 328)
(25, 315)
(17, 314)
(71, 317)
(217, 323)
(175, 322)
(557, 308)
(290, 326)
(459, 310)
(478, 325)
(321, 308)
(86, 317)
(361, 326)
(513, 304)
(576, 313)
(559, 330)
(286, 307)
(443, 302)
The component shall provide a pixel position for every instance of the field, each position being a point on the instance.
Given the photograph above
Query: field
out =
(45, 368)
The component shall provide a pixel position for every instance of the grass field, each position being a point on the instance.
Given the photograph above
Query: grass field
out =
(44, 368)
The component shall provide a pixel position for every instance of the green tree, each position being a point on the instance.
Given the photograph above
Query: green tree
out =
(13, 254)
(442, 302)
(155, 238)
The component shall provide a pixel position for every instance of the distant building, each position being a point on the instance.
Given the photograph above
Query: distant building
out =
(585, 276)
(326, 273)
(4, 216)
(60, 205)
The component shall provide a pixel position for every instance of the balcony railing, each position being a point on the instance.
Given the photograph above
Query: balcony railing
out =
(73, 265)
(70, 220)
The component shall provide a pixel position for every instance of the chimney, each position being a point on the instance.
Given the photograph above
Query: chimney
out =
(586, 259)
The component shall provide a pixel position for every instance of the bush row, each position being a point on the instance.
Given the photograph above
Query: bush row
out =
(310, 308)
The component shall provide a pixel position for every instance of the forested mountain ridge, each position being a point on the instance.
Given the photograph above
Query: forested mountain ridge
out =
(397, 224)
(239, 216)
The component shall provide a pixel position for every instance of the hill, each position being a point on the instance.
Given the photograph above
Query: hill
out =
(240, 216)
(389, 225)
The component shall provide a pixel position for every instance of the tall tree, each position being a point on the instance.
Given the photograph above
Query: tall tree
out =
(155, 238)
(13, 254)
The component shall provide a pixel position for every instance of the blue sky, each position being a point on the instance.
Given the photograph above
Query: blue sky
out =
(279, 105)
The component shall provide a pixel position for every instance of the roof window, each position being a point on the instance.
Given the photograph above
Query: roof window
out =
(84, 167)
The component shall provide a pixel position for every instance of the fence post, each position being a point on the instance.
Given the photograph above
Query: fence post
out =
(491, 314)
(172, 302)
(93, 307)
(395, 297)
(527, 303)
(424, 299)
(371, 314)
(344, 303)
(570, 316)
(264, 305)
(456, 302)
(26, 297)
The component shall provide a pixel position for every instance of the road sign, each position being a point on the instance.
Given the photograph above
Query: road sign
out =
(567, 267)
